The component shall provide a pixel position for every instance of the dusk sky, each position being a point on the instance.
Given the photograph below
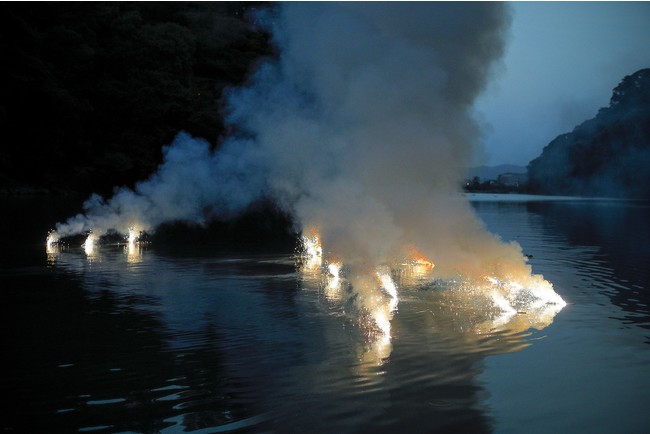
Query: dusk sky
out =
(562, 61)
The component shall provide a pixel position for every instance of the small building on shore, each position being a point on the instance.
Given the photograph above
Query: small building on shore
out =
(514, 180)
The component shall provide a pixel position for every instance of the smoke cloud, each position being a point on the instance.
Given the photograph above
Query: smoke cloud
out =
(360, 129)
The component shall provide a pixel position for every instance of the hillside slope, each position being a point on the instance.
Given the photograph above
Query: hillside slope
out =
(608, 155)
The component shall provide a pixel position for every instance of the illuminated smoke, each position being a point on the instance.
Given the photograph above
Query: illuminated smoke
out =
(361, 125)
(360, 128)
(365, 128)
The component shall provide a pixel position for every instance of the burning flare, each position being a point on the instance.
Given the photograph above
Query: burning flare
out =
(321, 141)
(52, 243)
(52, 240)
(132, 237)
(89, 244)
(333, 286)
(52, 246)
(133, 251)
(504, 300)
(312, 252)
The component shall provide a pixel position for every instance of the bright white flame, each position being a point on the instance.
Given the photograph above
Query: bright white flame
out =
(313, 252)
(383, 322)
(132, 236)
(334, 269)
(51, 246)
(533, 292)
(334, 279)
(503, 304)
(382, 313)
(523, 304)
(543, 290)
(388, 284)
(89, 244)
(52, 239)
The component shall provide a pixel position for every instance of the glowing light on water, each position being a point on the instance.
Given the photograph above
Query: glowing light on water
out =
(382, 320)
(52, 247)
(334, 279)
(368, 297)
(500, 302)
(390, 288)
(417, 264)
(543, 291)
(420, 267)
(382, 313)
(479, 306)
(334, 268)
(52, 244)
(414, 268)
(531, 293)
(492, 303)
(133, 252)
(132, 238)
(52, 239)
(387, 283)
(89, 244)
(312, 252)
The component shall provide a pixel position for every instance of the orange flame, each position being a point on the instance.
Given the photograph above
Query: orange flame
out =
(418, 259)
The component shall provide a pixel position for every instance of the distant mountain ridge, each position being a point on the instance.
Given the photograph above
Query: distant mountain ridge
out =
(486, 173)
(608, 155)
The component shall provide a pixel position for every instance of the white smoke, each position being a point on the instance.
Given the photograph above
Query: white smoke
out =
(360, 129)
(192, 184)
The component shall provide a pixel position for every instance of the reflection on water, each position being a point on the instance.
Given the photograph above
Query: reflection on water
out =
(612, 238)
(127, 338)
(591, 372)
(301, 335)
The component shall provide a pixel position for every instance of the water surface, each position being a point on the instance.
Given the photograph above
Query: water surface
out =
(155, 339)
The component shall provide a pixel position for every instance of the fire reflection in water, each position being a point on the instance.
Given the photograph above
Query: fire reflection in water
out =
(52, 247)
(89, 245)
(469, 308)
(311, 254)
(371, 297)
(333, 281)
(133, 247)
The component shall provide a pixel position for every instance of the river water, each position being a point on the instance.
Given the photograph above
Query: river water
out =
(152, 339)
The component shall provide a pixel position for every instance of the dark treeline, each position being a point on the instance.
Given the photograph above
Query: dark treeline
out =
(90, 92)
(608, 155)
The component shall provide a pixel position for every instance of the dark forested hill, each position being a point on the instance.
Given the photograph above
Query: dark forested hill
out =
(608, 155)
(90, 92)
